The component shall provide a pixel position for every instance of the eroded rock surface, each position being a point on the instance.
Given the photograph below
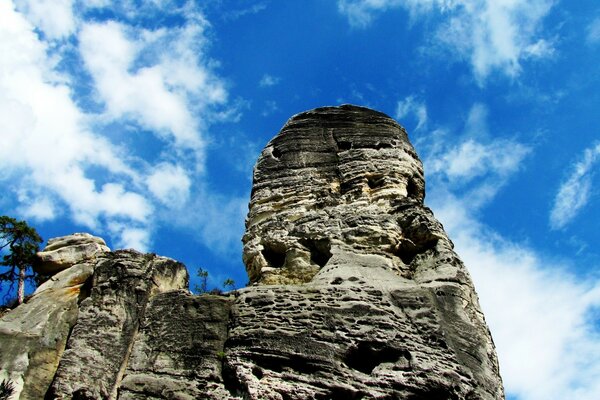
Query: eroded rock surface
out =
(100, 344)
(62, 252)
(356, 293)
(34, 335)
(360, 294)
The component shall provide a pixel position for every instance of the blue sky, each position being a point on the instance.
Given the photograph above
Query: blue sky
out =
(140, 122)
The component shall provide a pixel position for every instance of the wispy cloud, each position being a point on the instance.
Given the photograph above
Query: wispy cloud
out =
(411, 106)
(62, 156)
(593, 32)
(574, 193)
(491, 34)
(471, 163)
(54, 17)
(269, 80)
(540, 315)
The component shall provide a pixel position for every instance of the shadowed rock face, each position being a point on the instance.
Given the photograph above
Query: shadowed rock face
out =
(360, 294)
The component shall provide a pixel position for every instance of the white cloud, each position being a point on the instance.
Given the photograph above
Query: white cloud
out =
(412, 106)
(268, 80)
(574, 193)
(130, 237)
(170, 184)
(163, 95)
(540, 316)
(491, 34)
(54, 17)
(55, 152)
(593, 31)
(459, 163)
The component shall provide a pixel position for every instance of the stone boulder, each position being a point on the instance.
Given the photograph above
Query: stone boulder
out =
(34, 335)
(63, 252)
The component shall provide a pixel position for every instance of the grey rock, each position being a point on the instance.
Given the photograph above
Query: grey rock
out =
(63, 252)
(100, 344)
(356, 292)
(179, 350)
(360, 294)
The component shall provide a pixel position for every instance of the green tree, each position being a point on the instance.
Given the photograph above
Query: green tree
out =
(229, 284)
(18, 244)
(203, 286)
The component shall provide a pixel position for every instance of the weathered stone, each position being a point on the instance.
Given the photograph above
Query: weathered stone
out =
(179, 350)
(63, 252)
(100, 344)
(356, 293)
(33, 336)
(368, 299)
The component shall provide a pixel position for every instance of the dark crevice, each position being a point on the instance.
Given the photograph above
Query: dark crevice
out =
(342, 393)
(411, 189)
(344, 146)
(276, 153)
(376, 146)
(320, 250)
(367, 355)
(232, 383)
(434, 393)
(375, 181)
(274, 256)
(278, 363)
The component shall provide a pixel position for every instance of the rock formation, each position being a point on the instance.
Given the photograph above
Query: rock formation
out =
(34, 335)
(356, 292)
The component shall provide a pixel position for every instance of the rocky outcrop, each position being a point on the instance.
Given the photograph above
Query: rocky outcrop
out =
(34, 335)
(356, 293)
(359, 294)
(100, 344)
(63, 252)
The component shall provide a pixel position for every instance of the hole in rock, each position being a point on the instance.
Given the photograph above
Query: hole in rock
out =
(276, 153)
(367, 355)
(274, 256)
(337, 281)
(375, 181)
(343, 146)
(280, 362)
(411, 189)
(257, 372)
(320, 250)
(434, 393)
(342, 393)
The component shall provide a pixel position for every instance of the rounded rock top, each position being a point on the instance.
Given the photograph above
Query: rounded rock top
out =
(325, 167)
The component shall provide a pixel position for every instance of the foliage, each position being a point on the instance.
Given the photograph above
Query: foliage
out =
(18, 244)
(7, 389)
(228, 284)
(203, 286)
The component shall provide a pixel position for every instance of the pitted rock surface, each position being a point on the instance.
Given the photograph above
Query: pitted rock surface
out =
(360, 292)
(34, 335)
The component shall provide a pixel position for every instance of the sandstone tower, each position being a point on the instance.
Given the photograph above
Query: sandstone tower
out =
(356, 279)
(355, 293)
